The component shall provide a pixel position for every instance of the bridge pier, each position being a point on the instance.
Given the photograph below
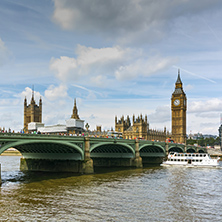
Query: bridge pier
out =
(137, 161)
(47, 165)
(87, 165)
(167, 148)
(60, 165)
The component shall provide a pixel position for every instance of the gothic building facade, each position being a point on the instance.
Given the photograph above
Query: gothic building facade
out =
(32, 112)
(138, 129)
(178, 108)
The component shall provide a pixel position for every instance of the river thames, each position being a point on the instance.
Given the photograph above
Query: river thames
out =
(148, 194)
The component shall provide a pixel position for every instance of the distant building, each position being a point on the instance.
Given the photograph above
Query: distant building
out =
(179, 108)
(32, 112)
(138, 129)
(74, 125)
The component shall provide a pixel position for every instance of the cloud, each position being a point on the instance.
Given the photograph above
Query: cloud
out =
(143, 67)
(63, 67)
(160, 115)
(27, 93)
(55, 93)
(100, 65)
(4, 53)
(89, 61)
(126, 18)
(211, 105)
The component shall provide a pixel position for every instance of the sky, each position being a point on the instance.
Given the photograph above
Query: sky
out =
(115, 57)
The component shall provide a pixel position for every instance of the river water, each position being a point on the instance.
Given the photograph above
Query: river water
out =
(149, 194)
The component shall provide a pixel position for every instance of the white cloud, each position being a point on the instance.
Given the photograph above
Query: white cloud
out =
(104, 64)
(160, 115)
(211, 105)
(28, 94)
(64, 67)
(142, 67)
(55, 93)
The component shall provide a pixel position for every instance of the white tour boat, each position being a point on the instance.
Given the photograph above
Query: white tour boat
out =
(191, 160)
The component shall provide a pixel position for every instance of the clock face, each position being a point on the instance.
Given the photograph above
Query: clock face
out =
(176, 102)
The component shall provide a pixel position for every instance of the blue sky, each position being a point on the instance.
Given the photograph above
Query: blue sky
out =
(115, 57)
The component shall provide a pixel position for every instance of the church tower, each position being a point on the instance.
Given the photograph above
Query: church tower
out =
(32, 112)
(179, 108)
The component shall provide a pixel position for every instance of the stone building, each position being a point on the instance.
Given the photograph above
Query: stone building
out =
(32, 112)
(74, 125)
(138, 129)
(178, 108)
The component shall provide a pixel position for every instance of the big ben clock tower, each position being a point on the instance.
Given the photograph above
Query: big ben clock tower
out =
(179, 108)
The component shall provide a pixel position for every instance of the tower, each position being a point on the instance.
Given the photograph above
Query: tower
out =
(75, 111)
(32, 112)
(179, 108)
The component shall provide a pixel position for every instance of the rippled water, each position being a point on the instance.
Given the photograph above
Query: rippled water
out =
(150, 194)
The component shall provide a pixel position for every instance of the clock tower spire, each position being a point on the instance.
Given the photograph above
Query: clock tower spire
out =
(179, 108)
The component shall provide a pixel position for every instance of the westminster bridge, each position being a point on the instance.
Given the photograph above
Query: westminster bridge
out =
(82, 154)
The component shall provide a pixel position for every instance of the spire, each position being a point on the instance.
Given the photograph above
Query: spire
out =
(178, 78)
(40, 101)
(75, 111)
(179, 84)
(32, 100)
(25, 102)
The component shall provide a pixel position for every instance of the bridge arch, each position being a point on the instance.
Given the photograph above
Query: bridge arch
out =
(151, 149)
(191, 150)
(112, 150)
(37, 149)
(176, 149)
(201, 151)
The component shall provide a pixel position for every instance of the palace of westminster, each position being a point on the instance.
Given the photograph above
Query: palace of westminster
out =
(138, 128)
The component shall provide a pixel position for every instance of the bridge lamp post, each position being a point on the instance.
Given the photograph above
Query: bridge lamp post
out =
(87, 128)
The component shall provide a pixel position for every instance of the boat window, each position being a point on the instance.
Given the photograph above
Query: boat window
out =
(193, 154)
(178, 159)
(185, 154)
(175, 160)
(189, 154)
(200, 155)
(204, 155)
(197, 155)
(201, 160)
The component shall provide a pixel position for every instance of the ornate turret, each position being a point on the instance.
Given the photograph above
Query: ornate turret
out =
(32, 112)
(75, 111)
(25, 102)
(33, 100)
